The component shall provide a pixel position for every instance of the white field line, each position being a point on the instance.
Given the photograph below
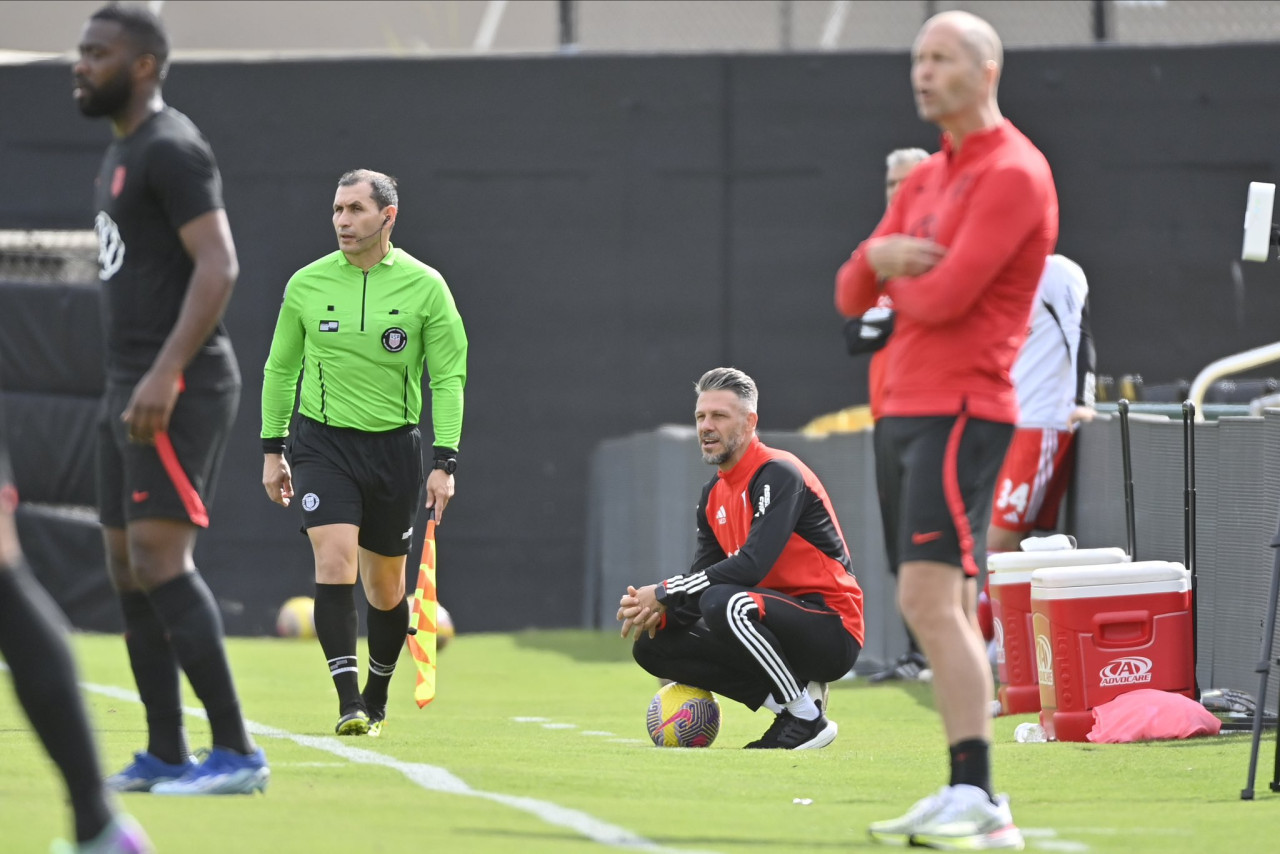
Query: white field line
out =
(437, 779)
(549, 724)
(1046, 839)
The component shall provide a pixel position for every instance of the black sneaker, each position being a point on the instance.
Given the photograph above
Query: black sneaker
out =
(789, 732)
(908, 667)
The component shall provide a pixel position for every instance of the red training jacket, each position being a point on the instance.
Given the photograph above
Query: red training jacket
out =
(769, 523)
(958, 327)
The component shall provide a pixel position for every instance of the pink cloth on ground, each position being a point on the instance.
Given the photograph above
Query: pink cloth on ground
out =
(1147, 714)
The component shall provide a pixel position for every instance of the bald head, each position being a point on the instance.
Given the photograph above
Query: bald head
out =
(978, 37)
(955, 71)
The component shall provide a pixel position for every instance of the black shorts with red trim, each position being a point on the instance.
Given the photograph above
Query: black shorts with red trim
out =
(175, 477)
(371, 480)
(935, 476)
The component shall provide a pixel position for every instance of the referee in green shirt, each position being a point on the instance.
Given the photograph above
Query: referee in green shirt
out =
(360, 324)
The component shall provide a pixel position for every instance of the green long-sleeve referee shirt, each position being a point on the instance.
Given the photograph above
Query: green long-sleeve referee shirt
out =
(361, 341)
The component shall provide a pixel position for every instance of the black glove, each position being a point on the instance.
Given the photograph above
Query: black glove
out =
(870, 332)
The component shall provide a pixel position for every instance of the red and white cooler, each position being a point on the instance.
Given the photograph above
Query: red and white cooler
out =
(1009, 578)
(1101, 631)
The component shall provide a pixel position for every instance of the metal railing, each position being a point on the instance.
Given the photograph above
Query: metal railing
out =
(1228, 366)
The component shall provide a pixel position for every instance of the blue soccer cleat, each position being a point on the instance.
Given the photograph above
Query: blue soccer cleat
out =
(145, 772)
(223, 772)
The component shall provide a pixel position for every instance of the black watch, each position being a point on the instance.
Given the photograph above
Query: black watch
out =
(449, 465)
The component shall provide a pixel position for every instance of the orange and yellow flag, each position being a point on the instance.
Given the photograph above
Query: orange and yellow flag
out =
(422, 619)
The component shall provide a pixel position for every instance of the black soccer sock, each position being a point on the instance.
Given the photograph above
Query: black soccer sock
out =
(971, 764)
(387, 631)
(336, 625)
(32, 639)
(187, 609)
(155, 672)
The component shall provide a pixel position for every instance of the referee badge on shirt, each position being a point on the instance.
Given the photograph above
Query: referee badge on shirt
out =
(394, 339)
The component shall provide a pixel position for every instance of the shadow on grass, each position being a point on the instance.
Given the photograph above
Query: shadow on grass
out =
(577, 644)
(920, 692)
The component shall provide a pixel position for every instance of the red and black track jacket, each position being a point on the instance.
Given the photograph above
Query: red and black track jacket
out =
(768, 523)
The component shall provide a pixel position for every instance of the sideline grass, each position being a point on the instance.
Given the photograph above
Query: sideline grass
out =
(1157, 797)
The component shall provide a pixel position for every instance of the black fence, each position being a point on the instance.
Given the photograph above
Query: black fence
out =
(614, 226)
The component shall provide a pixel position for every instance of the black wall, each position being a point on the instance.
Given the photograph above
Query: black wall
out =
(612, 227)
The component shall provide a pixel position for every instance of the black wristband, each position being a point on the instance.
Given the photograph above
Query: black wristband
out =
(273, 446)
(440, 452)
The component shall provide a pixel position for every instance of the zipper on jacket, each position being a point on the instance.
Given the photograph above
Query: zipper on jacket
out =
(364, 292)
(324, 397)
(406, 394)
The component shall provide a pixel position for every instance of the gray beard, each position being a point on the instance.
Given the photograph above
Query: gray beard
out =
(730, 448)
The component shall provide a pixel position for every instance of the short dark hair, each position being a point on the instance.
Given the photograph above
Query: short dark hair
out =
(382, 187)
(730, 379)
(144, 29)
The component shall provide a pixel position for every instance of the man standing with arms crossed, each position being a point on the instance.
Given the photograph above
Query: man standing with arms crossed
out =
(960, 252)
(361, 324)
(168, 266)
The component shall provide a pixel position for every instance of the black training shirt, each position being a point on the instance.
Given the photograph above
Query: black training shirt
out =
(151, 184)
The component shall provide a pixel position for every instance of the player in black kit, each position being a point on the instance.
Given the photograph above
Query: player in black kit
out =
(34, 645)
(168, 266)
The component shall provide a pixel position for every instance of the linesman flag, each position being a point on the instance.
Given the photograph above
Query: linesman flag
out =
(422, 619)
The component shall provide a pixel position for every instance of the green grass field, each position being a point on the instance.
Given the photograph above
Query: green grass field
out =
(472, 773)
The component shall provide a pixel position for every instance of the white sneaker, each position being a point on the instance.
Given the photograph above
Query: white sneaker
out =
(957, 818)
(968, 821)
(897, 831)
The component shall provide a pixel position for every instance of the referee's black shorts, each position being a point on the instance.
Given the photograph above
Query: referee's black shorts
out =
(371, 480)
(936, 476)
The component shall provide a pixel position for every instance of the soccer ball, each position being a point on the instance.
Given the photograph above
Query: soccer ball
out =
(444, 624)
(683, 716)
(297, 618)
(444, 627)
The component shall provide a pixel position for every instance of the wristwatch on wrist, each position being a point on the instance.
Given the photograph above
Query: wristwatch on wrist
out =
(450, 465)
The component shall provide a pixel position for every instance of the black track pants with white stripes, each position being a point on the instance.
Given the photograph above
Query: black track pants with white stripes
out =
(752, 642)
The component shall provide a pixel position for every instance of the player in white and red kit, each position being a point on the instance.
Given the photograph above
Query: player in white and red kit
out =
(1054, 379)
